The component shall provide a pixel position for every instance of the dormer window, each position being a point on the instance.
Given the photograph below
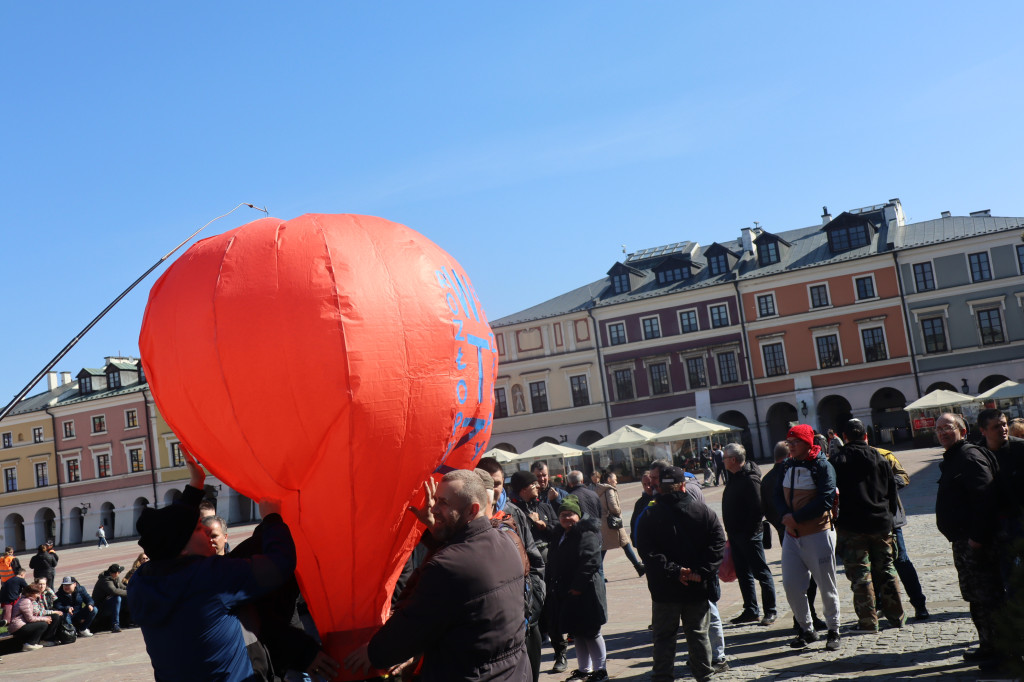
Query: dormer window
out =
(846, 238)
(673, 275)
(620, 283)
(114, 380)
(85, 384)
(768, 253)
(718, 264)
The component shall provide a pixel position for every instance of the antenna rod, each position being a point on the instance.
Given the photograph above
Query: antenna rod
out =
(78, 337)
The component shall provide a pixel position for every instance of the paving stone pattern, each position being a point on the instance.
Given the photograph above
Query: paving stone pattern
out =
(919, 651)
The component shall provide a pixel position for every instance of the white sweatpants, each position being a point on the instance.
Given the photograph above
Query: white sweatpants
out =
(804, 557)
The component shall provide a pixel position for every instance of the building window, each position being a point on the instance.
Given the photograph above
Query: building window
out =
(980, 270)
(659, 379)
(695, 373)
(719, 316)
(580, 390)
(727, 373)
(539, 396)
(673, 275)
(865, 287)
(924, 278)
(500, 404)
(774, 359)
(135, 456)
(768, 253)
(620, 283)
(623, 384)
(828, 351)
(11, 479)
(85, 385)
(74, 472)
(718, 264)
(42, 475)
(7, 440)
(766, 305)
(934, 331)
(178, 457)
(846, 238)
(114, 380)
(688, 321)
(103, 466)
(819, 296)
(37, 434)
(652, 329)
(617, 333)
(131, 419)
(1020, 259)
(874, 344)
(69, 429)
(990, 324)
(99, 424)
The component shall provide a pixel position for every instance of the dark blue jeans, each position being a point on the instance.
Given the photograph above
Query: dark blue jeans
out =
(111, 608)
(82, 618)
(908, 574)
(751, 567)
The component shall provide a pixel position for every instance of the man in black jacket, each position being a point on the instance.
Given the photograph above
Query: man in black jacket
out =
(966, 509)
(590, 503)
(44, 564)
(465, 611)
(867, 492)
(742, 514)
(682, 545)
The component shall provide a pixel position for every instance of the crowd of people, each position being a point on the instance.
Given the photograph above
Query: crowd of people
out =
(504, 566)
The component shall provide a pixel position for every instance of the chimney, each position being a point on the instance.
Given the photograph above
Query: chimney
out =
(947, 214)
(987, 213)
(748, 240)
(51, 381)
(826, 218)
(894, 213)
(65, 378)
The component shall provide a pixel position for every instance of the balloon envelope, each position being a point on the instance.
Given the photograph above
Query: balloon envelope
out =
(332, 362)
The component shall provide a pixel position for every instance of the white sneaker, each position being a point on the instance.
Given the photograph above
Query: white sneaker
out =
(84, 633)
(48, 643)
(31, 647)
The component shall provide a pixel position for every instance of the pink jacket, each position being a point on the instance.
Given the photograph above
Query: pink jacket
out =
(22, 613)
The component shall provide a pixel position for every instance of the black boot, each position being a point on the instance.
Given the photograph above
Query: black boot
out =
(561, 664)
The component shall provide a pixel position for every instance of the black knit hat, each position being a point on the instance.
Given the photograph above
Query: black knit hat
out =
(165, 532)
(520, 480)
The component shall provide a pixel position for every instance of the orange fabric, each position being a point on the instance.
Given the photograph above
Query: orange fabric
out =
(6, 572)
(333, 362)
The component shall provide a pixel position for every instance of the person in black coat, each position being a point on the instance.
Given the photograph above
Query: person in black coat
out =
(44, 564)
(590, 503)
(577, 603)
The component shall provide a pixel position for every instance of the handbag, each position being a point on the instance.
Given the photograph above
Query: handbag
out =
(727, 571)
(66, 633)
(614, 522)
(766, 535)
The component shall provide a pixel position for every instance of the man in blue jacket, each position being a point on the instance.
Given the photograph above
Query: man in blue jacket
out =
(76, 604)
(183, 597)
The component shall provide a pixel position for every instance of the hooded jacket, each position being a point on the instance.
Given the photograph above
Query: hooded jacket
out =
(574, 563)
(867, 488)
(806, 489)
(107, 587)
(76, 599)
(183, 605)
(966, 503)
(676, 531)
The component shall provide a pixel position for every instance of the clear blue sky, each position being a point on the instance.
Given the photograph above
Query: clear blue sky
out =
(529, 139)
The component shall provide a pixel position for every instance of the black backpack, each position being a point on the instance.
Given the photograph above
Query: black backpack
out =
(66, 633)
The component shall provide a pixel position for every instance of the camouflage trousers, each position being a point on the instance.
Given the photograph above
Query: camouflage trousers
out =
(981, 586)
(868, 562)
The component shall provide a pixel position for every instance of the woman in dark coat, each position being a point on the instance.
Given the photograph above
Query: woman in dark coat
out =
(576, 593)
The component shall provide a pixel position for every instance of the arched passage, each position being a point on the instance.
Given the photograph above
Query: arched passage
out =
(779, 418)
(737, 419)
(941, 385)
(891, 422)
(833, 413)
(45, 525)
(507, 447)
(172, 496)
(991, 381)
(545, 439)
(138, 505)
(76, 524)
(14, 532)
(587, 438)
(107, 518)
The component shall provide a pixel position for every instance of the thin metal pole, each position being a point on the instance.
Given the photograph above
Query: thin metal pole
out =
(78, 337)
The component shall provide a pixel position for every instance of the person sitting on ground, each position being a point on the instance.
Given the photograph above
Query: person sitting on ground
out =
(47, 598)
(108, 595)
(77, 607)
(10, 592)
(139, 560)
(29, 628)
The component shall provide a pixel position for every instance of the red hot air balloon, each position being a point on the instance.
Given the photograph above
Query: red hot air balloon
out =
(332, 362)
